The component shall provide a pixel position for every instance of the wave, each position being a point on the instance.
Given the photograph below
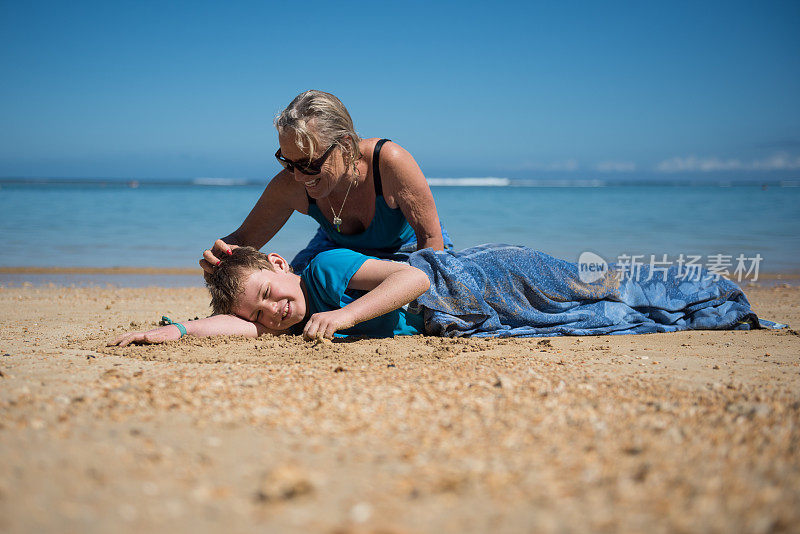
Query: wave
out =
(492, 181)
(559, 183)
(488, 181)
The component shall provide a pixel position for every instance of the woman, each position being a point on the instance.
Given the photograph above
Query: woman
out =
(368, 195)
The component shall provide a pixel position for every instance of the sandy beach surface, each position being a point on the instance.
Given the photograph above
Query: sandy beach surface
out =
(684, 432)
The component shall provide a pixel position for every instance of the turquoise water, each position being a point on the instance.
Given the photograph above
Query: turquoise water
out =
(170, 225)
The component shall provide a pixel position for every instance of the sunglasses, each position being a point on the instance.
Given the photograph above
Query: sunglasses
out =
(306, 167)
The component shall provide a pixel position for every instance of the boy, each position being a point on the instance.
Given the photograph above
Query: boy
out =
(253, 293)
(485, 291)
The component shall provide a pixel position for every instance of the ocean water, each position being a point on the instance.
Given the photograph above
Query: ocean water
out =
(169, 225)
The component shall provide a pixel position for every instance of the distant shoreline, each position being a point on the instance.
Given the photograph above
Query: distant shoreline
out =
(486, 181)
(156, 271)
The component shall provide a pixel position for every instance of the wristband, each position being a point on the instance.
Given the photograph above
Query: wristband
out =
(167, 321)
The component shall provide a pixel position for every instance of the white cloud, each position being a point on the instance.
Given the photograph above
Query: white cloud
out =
(776, 162)
(693, 163)
(615, 166)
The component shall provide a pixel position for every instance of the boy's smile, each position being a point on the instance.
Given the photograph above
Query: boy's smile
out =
(273, 299)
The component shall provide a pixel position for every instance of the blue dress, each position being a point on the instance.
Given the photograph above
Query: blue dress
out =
(388, 236)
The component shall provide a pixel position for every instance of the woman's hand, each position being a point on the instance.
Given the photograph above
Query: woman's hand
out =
(325, 324)
(157, 335)
(211, 257)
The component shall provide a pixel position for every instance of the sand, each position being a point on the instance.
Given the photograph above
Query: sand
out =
(683, 432)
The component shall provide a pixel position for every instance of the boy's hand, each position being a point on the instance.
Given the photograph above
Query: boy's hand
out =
(325, 324)
(158, 335)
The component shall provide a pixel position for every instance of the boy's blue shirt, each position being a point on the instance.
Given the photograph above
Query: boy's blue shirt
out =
(326, 278)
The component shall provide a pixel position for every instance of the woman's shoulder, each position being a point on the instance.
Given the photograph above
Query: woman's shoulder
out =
(392, 159)
(389, 148)
(398, 170)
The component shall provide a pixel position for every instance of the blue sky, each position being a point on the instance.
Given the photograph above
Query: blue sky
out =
(563, 89)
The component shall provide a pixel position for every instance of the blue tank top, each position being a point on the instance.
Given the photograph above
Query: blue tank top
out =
(389, 229)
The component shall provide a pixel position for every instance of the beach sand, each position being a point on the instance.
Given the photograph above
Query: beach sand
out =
(683, 432)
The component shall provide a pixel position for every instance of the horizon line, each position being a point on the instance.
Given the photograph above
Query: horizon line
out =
(487, 181)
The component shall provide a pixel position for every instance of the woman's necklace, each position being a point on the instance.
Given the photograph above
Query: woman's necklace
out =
(337, 220)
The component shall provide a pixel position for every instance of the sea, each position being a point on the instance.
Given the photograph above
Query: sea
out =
(168, 223)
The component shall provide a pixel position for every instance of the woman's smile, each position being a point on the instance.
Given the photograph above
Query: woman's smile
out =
(312, 182)
(315, 186)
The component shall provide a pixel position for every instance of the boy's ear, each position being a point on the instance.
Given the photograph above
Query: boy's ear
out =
(278, 262)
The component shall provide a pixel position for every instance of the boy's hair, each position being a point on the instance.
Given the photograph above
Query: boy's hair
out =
(226, 283)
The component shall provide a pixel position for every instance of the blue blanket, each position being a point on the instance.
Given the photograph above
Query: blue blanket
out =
(505, 290)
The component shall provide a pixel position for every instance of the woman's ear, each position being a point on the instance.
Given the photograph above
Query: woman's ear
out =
(279, 264)
(349, 153)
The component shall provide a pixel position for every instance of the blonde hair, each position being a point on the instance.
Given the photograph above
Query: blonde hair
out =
(319, 119)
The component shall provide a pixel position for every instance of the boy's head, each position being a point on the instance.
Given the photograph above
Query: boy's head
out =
(257, 287)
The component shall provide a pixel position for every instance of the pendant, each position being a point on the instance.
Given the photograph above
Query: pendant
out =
(337, 222)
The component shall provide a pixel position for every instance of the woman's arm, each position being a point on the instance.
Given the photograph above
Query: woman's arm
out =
(282, 196)
(216, 325)
(389, 285)
(410, 190)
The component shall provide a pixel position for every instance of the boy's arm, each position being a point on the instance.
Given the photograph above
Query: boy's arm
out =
(216, 325)
(390, 285)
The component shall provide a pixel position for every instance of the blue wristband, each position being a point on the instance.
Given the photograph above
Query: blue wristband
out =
(167, 321)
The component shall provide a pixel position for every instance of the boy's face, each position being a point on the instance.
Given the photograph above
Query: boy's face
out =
(273, 299)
